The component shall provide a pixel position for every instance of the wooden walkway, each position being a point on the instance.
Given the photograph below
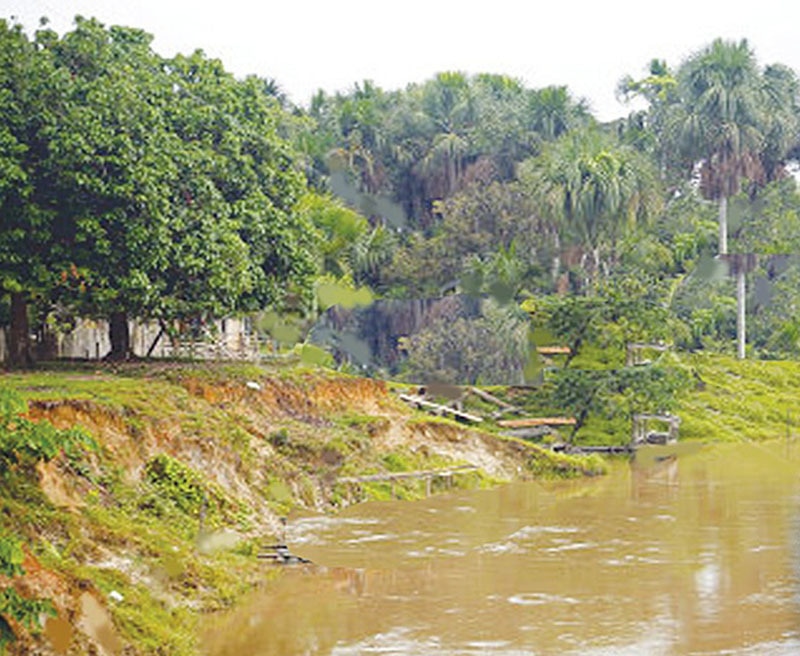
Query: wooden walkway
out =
(438, 409)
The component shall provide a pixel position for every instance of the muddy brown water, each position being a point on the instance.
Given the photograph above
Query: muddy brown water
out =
(699, 554)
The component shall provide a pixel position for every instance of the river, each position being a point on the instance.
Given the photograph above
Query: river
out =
(697, 554)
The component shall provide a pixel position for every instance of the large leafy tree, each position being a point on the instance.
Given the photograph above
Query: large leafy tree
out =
(113, 160)
(250, 169)
(152, 188)
(30, 102)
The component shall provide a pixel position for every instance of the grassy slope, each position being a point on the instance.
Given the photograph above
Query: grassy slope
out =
(734, 400)
(126, 535)
(727, 400)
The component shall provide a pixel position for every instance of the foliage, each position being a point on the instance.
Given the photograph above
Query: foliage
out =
(625, 309)
(11, 555)
(25, 442)
(26, 612)
(593, 189)
(177, 483)
(153, 188)
(490, 349)
(430, 141)
(13, 606)
(619, 393)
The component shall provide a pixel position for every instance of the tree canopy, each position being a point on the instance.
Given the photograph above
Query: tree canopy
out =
(141, 186)
(134, 185)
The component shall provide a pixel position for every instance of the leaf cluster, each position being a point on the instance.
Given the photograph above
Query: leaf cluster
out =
(158, 187)
(25, 442)
(14, 607)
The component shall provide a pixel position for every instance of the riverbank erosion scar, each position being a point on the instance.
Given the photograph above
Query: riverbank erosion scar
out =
(299, 434)
(194, 468)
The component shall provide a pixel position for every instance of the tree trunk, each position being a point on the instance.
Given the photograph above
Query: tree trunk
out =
(740, 313)
(723, 225)
(595, 280)
(120, 336)
(556, 267)
(19, 341)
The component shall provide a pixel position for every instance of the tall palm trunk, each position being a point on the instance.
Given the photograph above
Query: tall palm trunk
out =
(723, 225)
(740, 313)
(556, 266)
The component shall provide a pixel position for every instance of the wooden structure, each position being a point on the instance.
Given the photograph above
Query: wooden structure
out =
(608, 449)
(441, 410)
(634, 352)
(553, 350)
(427, 475)
(280, 555)
(528, 422)
(504, 407)
(642, 434)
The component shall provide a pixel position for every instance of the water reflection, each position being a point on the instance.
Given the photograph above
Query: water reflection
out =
(694, 554)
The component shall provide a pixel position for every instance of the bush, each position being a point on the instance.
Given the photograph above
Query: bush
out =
(14, 607)
(27, 442)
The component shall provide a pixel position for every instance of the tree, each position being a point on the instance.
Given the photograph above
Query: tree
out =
(30, 97)
(253, 171)
(781, 89)
(162, 186)
(552, 112)
(491, 349)
(646, 129)
(720, 121)
(593, 188)
(114, 163)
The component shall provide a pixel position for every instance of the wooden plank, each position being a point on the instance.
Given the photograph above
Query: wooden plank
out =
(585, 448)
(553, 350)
(493, 399)
(537, 421)
(436, 408)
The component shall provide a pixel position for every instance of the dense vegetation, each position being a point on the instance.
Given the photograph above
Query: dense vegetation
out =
(166, 189)
(507, 218)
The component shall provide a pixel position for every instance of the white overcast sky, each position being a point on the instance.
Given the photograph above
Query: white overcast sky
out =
(306, 45)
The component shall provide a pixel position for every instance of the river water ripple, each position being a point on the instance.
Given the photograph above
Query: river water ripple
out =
(698, 554)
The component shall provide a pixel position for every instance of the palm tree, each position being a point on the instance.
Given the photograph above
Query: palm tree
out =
(552, 112)
(719, 121)
(781, 90)
(449, 106)
(593, 188)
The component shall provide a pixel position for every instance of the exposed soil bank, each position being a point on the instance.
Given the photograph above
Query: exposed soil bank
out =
(196, 466)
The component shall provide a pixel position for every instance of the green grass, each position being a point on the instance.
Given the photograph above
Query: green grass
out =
(740, 400)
